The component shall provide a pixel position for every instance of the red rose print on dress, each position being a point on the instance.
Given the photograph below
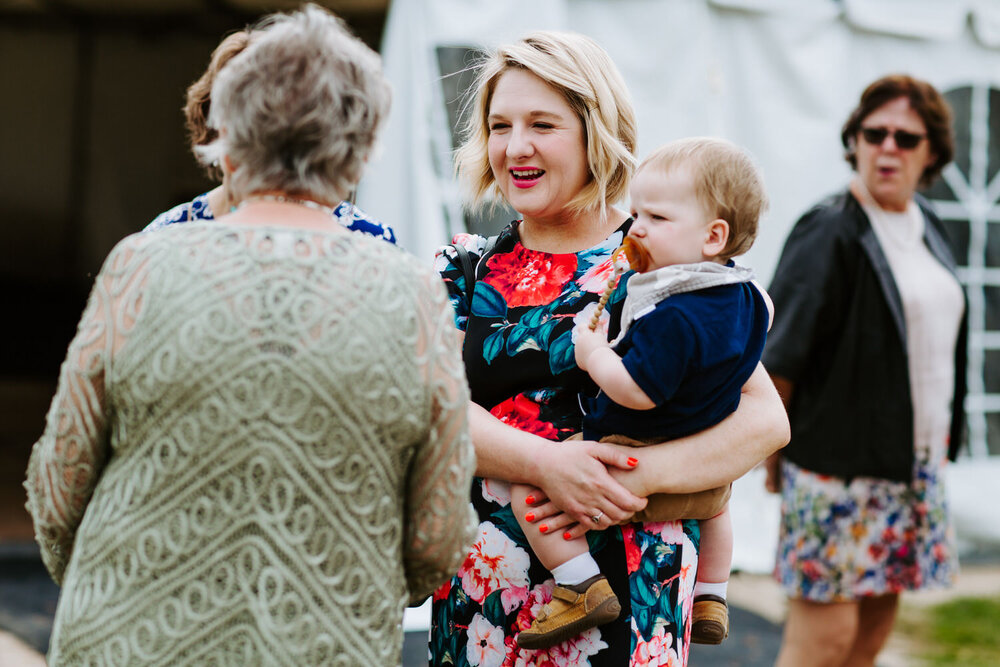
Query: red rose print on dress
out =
(443, 590)
(522, 414)
(527, 278)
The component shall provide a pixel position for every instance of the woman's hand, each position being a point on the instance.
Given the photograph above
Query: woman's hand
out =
(582, 480)
(587, 341)
(772, 465)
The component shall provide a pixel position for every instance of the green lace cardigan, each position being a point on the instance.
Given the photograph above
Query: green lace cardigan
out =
(257, 453)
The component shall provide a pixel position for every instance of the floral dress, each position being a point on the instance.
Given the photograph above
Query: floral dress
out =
(519, 356)
(346, 213)
(843, 540)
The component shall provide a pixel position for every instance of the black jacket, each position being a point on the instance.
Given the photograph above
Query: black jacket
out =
(839, 336)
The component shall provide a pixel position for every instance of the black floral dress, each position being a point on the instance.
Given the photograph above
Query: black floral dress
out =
(519, 356)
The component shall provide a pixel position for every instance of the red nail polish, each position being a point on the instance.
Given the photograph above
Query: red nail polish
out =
(543, 528)
(530, 516)
(567, 536)
(633, 462)
(530, 500)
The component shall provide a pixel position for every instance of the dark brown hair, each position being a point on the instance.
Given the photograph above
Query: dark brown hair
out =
(924, 99)
(199, 95)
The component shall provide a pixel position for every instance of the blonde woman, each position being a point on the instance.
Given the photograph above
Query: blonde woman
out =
(552, 132)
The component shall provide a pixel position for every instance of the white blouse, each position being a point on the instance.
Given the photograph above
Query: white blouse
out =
(932, 310)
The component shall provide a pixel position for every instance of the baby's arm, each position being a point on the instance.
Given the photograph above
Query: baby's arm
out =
(594, 355)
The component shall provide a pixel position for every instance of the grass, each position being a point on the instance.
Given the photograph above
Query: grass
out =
(963, 632)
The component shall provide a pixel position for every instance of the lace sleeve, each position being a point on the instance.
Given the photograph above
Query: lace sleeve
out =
(67, 460)
(440, 521)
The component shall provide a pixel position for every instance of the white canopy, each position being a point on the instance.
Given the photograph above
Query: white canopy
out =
(777, 76)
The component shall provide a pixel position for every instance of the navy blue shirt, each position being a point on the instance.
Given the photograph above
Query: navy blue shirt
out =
(691, 355)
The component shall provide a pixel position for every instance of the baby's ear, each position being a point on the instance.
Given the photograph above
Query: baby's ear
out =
(716, 238)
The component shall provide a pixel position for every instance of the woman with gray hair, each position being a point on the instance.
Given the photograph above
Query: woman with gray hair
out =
(258, 451)
(209, 205)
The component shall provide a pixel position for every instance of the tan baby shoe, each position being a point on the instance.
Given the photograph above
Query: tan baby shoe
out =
(709, 620)
(572, 610)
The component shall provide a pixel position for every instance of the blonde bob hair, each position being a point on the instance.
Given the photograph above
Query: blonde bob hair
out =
(583, 73)
(727, 183)
(299, 109)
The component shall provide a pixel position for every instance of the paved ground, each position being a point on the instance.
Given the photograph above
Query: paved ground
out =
(28, 598)
(28, 601)
(753, 641)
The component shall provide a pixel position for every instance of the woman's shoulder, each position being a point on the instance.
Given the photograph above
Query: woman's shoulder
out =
(356, 220)
(472, 243)
(130, 253)
(196, 209)
(449, 257)
(838, 219)
(838, 210)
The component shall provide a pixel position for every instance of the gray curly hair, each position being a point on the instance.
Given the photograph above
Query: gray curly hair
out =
(299, 110)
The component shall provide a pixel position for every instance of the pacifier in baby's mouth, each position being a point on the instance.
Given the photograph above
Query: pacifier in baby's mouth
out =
(635, 254)
(629, 255)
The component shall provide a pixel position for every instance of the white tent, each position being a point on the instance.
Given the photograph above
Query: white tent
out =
(777, 76)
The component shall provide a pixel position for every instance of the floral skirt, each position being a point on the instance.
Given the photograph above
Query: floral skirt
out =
(841, 542)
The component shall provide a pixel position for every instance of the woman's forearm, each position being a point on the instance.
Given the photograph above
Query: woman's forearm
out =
(722, 453)
(573, 476)
(504, 452)
(772, 466)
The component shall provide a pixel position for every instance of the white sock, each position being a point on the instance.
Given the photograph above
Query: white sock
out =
(576, 570)
(705, 588)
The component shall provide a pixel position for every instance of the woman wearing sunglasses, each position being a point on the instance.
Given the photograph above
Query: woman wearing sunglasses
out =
(868, 353)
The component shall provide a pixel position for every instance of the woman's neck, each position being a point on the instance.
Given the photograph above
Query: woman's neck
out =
(284, 210)
(218, 201)
(571, 234)
(863, 195)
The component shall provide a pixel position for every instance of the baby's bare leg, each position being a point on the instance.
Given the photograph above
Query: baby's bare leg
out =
(710, 615)
(550, 547)
(582, 598)
(716, 555)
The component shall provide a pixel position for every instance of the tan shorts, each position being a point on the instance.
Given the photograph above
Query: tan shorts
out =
(673, 506)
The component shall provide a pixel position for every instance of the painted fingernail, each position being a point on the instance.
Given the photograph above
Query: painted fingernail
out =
(530, 516)
(567, 536)
(543, 528)
(633, 462)
(530, 500)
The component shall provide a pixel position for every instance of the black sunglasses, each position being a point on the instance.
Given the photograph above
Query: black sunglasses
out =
(906, 141)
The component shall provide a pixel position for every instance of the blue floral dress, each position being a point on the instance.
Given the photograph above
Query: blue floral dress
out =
(519, 357)
(347, 214)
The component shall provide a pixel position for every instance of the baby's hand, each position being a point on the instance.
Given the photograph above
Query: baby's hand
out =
(587, 341)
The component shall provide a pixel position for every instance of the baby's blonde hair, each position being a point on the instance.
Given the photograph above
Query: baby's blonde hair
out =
(726, 181)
